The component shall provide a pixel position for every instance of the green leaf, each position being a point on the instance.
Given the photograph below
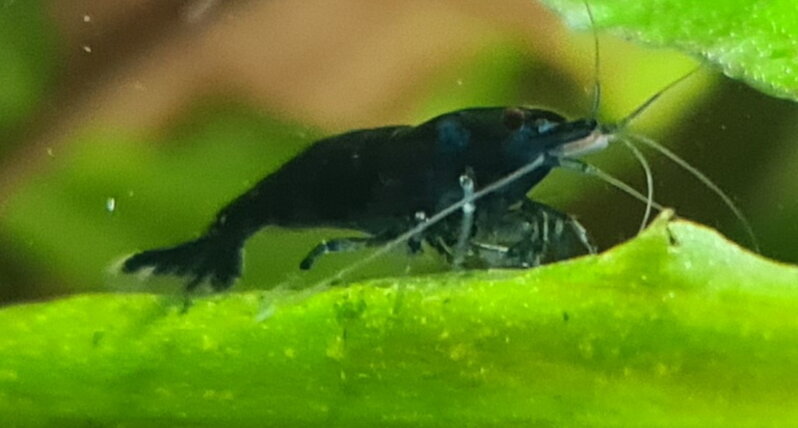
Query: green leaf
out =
(678, 327)
(753, 41)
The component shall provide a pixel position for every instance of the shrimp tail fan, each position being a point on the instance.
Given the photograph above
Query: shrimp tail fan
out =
(213, 257)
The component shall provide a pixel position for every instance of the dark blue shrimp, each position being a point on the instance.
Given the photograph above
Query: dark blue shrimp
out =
(377, 181)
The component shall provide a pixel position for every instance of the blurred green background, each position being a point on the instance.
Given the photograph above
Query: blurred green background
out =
(127, 125)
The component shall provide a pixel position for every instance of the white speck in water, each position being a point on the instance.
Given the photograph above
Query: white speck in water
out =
(110, 204)
(87, 18)
(87, 48)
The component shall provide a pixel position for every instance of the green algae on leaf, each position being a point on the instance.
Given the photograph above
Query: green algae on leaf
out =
(678, 318)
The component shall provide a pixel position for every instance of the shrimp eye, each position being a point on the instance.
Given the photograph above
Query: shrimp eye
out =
(513, 119)
(544, 125)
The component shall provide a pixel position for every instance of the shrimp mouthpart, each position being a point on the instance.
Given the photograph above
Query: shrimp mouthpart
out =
(596, 141)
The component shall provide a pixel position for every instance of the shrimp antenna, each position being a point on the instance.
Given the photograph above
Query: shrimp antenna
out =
(705, 181)
(596, 65)
(588, 169)
(649, 180)
(643, 107)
